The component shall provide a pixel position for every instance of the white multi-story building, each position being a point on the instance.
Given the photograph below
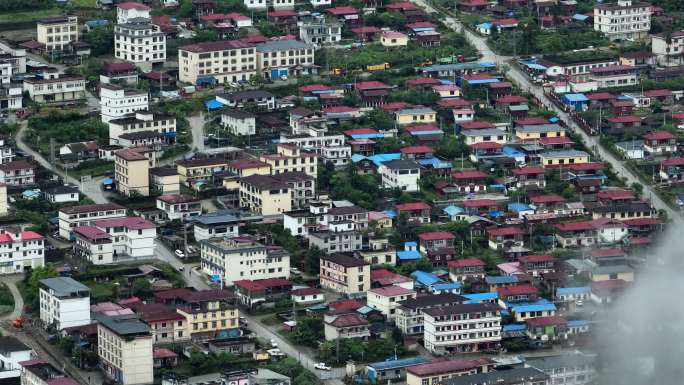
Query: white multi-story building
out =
(117, 102)
(668, 54)
(238, 122)
(572, 368)
(213, 62)
(55, 89)
(124, 346)
(401, 174)
(20, 250)
(263, 4)
(133, 237)
(329, 147)
(624, 20)
(10, 97)
(386, 299)
(140, 42)
(243, 258)
(131, 10)
(93, 245)
(12, 352)
(462, 328)
(64, 303)
(291, 158)
(57, 33)
(17, 173)
(15, 55)
(140, 122)
(179, 206)
(279, 58)
(86, 215)
(320, 33)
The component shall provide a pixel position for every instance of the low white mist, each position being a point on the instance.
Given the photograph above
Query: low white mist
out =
(640, 337)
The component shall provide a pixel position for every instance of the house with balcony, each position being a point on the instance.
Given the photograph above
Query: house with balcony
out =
(372, 92)
(660, 142)
(576, 234)
(386, 299)
(672, 170)
(614, 76)
(517, 293)
(437, 247)
(547, 329)
(462, 328)
(345, 274)
(538, 265)
(528, 177)
(350, 325)
(251, 293)
(470, 181)
(409, 314)
(179, 206)
(461, 270)
(503, 238)
(480, 206)
(417, 212)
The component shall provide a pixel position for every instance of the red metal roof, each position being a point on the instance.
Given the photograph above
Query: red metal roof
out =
(371, 85)
(391, 290)
(416, 150)
(624, 119)
(502, 231)
(394, 106)
(615, 194)
(403, 6)
(420, 24)
(658, 93)
(575, 226)
(134, 223)
(133, 5)
(451, 103)
(606, 253)
(479, 202)
(314, 87)
(343, 10)
(306, 291)
(466, 262)
(422, 81)
(282, 13)
(347, 304)
(360, 131)
(412, 206)
(262, 284)
(528, 170)
(511, 99)
(501, 85)
(547, 198)
(163, 353)
(589, 166)
(536, 258)
(532, 120)
(347, 320)
(600, 96)
(476, 125)
(450, 366)
(436, 235)
(556, 140)
(659, 135)
(468, 174)
(486, 146)
(546, 321)
(641, 221)
(622, 103)
(517, 290)
(422, 127)
(673, 162)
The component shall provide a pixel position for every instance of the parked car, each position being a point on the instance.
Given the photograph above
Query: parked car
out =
(322, 366)
(295, 271)
(579, 303)
(179, 253)
(274, 344)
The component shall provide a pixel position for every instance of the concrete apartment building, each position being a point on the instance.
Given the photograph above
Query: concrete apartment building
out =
(290, 158)
(242, 257)
(53, 88)
(140, 42)
(64, 303)
(117, 102)
(263, 4)
(133, 237)
(345, 274)
(124, 346)
(624, 20)
(668, 54)
(386, 299)
(264, 194)
(401, 174)
(200, 170)
(164, 180)
(17, 173)
(57, 33)
(86, 215)
(132, 171)
(462, 328)
(319, 33)
(93, 245)
(12, 352)
(210, 313)
(20, 250)
(130, 10)
(142, 121)
(409, 312)
(41, 372)
(179, 206)
(279, 58)
(238, 122)
(220, 62)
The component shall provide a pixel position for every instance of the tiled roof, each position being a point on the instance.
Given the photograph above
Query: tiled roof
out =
(436, 235)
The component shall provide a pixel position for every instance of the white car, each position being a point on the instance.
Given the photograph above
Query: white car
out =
(322, 366)
(275, 352)
(179, 253)
(579, 303)
(295, 271)
(274, 344)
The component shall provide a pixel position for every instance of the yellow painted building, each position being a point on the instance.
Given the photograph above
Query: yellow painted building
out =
(534, 132)
(132, 171)
(393, 39)
(208, 313)
(264, 195)
(564, 157)
(415, 116)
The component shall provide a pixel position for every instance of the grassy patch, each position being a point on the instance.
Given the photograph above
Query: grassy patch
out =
(18, 17)
(84, 3)
(94, 167)
(6, 299)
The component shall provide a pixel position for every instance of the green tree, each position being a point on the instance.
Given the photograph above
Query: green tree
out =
(101, 40)
(141, 287)
(33, 284)
(313, 260)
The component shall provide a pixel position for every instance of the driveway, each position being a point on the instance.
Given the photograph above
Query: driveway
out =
(11, 282)
(90, 188)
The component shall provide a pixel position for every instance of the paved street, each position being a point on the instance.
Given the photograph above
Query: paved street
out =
(197, 280)
(197, 126)
(592, 142)
(91, 189)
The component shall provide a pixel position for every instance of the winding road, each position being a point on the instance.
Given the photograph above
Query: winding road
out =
(592, 142)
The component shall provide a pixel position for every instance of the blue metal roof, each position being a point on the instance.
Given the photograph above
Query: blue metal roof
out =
(427, 132)
(511, 151)
(435, 163)
(456, 67)
(575, 98)
(409, 255)
(533, 307)
(484, 25)
(424, 278)
(364, 309)
(368, 136)
(578, 323)
(453, 210)
(213, 104)
(477, 297)
(580, 17)
(518, 207)
(500, 279)
(400, 363)
(447, 286)
(514, 328)
(482, 81)
(410, 244)
(573, 290)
